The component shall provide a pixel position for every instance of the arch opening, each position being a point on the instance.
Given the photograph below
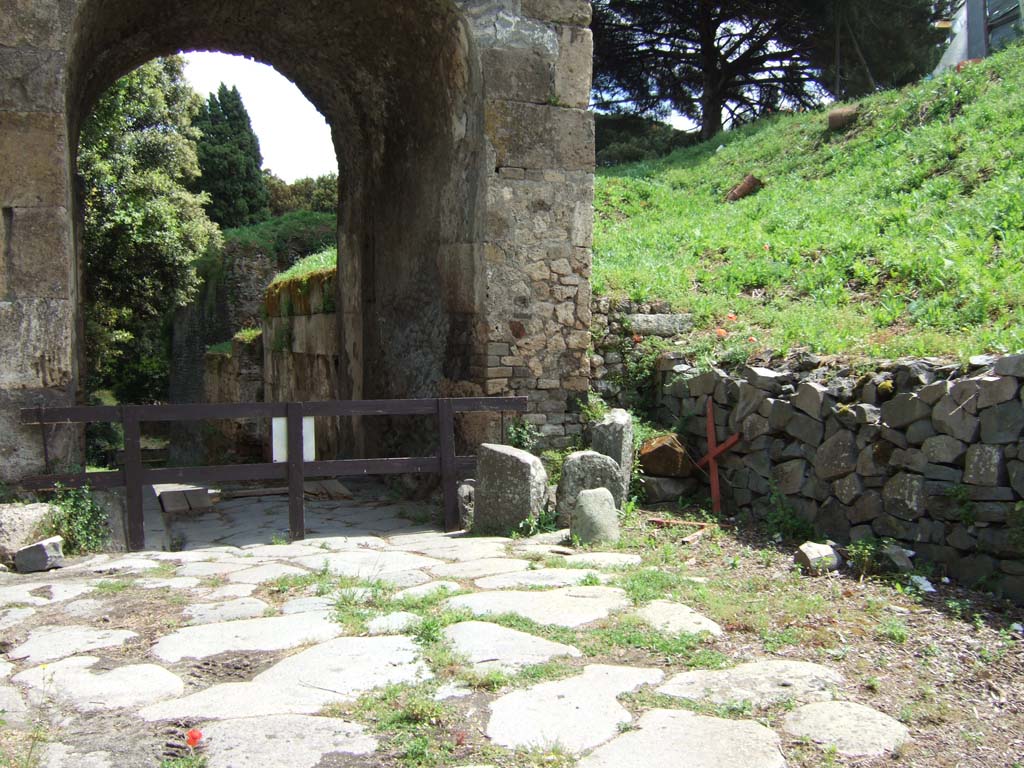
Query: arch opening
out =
(399, 86)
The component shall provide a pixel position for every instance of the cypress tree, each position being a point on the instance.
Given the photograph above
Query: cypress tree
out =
(230, 161)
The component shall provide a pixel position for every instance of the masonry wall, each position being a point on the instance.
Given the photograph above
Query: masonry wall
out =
(466, 159)
(927, 454)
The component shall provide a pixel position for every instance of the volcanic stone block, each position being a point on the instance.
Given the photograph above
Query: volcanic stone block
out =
(904, 496)
(904, 410)
(789, 477)
(993, 390)
(584, 470)
(665, 456)
(849, 488)
(765, 379)
(810, 398)
(837, 456)
(613, 436)
(805, 429)
(595, 518)
(985, 465)
(867, 508)
(1011, 365)
(943, 449)
(1003, 423)
(920, 431)
(951, 419)
(512, 488)
(42, 556)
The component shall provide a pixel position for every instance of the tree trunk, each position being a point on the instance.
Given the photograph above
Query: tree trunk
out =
(712, 99)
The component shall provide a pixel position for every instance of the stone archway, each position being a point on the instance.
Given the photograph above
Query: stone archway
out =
(466, 164)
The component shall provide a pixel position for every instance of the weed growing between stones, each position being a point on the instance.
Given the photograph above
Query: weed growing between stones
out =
(782, 520)
(21, 750)
(79, 520)
(114, 587)
(188, 761)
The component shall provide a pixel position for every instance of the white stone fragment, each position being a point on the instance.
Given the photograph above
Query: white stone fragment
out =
(49, 643)
(677, 619)
(275, 633)
(73, 680)
(759, 682)
(576, 714)
(663, 736)
(296, 741)
(853, 729)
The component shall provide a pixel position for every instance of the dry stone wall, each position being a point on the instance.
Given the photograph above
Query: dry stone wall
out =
(927, 454)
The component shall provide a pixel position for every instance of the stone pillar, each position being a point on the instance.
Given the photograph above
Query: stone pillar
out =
(38, 278)
(537, 60)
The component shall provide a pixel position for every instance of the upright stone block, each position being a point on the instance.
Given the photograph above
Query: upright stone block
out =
(613, 436)
(512, 488)
(595, 519)
(585, 470)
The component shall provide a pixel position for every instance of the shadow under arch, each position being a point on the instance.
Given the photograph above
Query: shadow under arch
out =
(400, 85)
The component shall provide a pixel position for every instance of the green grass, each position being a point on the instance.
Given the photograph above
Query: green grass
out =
(285, 238)
(903, 235)
(322, 261)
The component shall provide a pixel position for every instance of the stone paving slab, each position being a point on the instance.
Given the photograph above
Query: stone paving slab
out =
(73, 681)
(126, 565)
(12, 617)
(229, 592)
(853, 729)
(63, 756)
(760, 682)
(42, 593)
(261, 574)
(295, 741)
(393, 623)
(566, 607)
(49, 643)
(677, 619)
(368, 564)
(345, 543)
(175, 583)
(476, 569)
(425, 590)
(666, 738)
(604, 559)
(576, 714)
(282, 551)
(541, 577)
(232, 610)
(275, 633)
(86, 608)
(489, 647)
(6, 668)
(207, 569)
(336, 671)
(14, 707)
(307, 604)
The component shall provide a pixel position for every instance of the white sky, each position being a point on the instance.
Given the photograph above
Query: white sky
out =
(294, 138)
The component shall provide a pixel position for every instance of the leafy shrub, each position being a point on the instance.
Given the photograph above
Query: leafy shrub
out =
(79, 520)
(864, 555)
(523, 435)
(782, 520)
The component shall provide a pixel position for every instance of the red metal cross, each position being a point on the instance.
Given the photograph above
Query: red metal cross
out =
(711, 460)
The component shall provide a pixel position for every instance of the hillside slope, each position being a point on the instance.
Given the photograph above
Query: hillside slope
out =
(903, 235)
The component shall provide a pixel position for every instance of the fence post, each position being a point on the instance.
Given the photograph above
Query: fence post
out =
(296, 473)
(133, 478)
(446, 425)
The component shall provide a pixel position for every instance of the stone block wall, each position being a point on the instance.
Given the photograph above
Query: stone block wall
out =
(928, 454)
(301, 351)
(236, 377)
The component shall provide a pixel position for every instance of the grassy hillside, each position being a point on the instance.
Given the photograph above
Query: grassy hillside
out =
(903, 235)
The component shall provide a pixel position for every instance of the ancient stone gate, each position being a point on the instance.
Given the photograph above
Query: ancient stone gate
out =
(466, 156)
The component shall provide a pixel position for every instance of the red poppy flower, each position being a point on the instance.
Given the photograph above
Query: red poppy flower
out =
(730, 316)
(722, 333)
(193, 737)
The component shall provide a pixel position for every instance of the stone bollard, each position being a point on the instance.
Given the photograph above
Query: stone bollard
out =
(582, 471)
(512, 487)
(595, 520)
(613, 436)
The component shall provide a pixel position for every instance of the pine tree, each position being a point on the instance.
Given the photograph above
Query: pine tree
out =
(230, 161)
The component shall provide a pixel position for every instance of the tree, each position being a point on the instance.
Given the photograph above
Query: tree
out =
(704, 60)
(864, 45)
(739, 59)
(144, 230)
(230, 161)
(307, 194)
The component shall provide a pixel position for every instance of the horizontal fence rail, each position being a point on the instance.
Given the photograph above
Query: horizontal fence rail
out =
(294, 470)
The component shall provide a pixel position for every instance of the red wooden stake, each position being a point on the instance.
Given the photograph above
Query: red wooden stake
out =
(711, 460)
